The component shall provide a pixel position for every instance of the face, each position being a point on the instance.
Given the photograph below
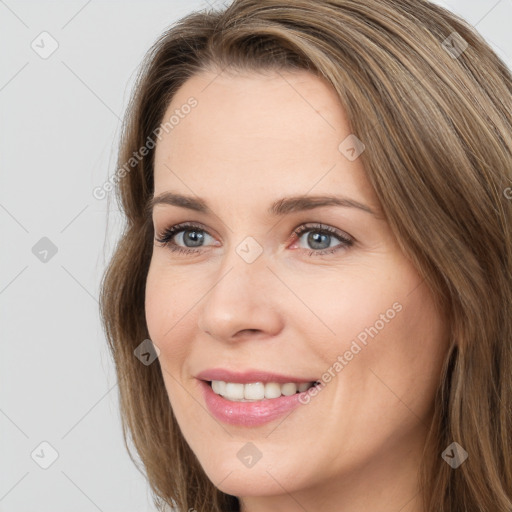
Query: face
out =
(307, 291)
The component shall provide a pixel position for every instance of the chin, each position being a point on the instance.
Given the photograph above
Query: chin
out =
(250, 481)
(264, 476)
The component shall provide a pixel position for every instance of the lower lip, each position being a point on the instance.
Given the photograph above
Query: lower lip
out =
(249, 414)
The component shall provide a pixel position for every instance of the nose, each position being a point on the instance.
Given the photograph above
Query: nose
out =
(242, 302)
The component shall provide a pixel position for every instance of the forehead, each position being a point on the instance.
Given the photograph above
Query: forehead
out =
(254, 132)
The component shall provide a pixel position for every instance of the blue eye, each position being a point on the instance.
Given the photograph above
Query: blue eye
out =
(319, 235)
(193, 236)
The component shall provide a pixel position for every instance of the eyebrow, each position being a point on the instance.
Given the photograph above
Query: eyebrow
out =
(278, 208)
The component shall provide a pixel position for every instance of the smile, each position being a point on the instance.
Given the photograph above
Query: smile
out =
(255, 391)
(253, 397)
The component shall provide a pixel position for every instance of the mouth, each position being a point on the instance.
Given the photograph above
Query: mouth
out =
(257, 391)
(252, 397)
(234, 408)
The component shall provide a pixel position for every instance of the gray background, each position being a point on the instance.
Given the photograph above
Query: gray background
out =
(59, 127)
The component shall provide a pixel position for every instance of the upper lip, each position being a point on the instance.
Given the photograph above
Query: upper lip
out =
(248, 376)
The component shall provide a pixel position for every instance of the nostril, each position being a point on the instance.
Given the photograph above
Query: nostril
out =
(247, 331)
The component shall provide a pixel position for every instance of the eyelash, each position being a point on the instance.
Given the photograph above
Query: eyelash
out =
(165, 238)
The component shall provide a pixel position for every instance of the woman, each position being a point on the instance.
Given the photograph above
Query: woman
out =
(310, 307)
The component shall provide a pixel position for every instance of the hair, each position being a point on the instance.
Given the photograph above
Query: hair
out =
(437, 127)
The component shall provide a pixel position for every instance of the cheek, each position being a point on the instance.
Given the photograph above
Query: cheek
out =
(165, 307)
(351, 306)
(380, 332)
(167, 304)
(400, 362)
(155, 305)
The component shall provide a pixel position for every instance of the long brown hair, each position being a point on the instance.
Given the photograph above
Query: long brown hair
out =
(432, 103)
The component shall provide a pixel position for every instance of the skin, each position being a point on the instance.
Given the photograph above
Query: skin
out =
(356, 446)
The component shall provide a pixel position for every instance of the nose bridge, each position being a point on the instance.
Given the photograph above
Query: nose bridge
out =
(239, 298)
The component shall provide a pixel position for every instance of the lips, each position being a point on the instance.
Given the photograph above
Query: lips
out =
(236, 410)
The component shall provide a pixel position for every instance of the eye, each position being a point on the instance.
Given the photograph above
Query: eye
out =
(320, 238)
(193, 236)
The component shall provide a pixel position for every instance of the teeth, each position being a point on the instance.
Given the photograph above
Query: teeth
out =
(254, 391)
(303, 386)
(257, 390)
(219, 387)
(272, 390)
(289, 389)
(235, 390)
